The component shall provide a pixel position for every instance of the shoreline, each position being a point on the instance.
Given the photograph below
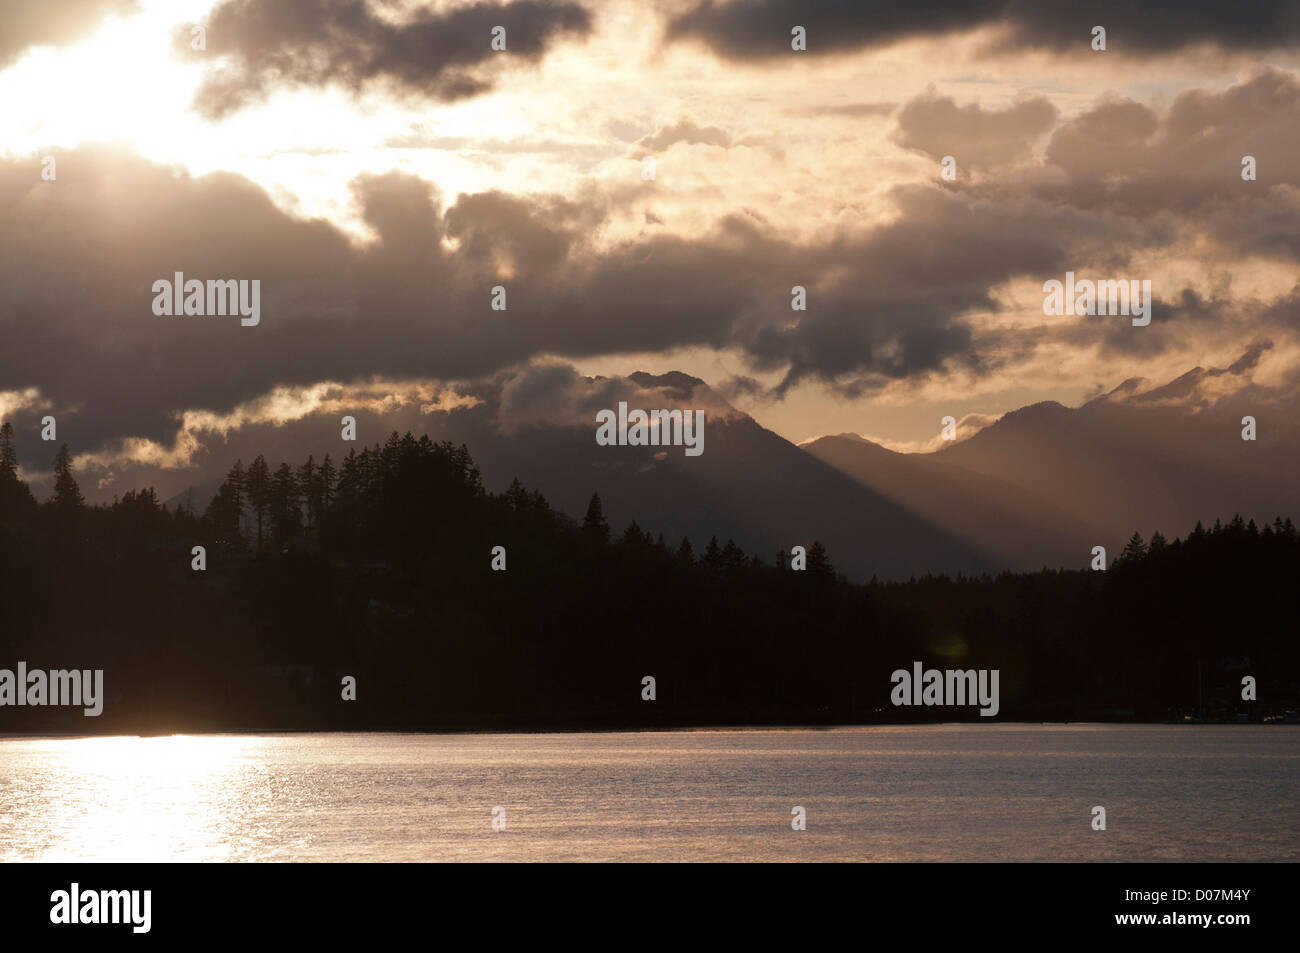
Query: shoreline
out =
(736, 729)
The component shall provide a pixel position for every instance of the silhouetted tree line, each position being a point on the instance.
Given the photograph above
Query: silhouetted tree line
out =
(379, 566)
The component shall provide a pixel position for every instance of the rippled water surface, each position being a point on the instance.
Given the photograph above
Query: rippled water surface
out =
(981, 792)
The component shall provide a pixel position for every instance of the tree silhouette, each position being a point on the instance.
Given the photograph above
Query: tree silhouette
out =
(257, 491)
(235, 482)
(327, 476)
(8, 456)
(222, 517)
(594, 523)
(633, 536)
(1134, 550)
(17, 505)
(284, 505)
(310, 488)
(819, 563)
(393, 583)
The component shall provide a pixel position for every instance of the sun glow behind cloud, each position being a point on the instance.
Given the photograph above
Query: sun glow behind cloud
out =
(121, 84)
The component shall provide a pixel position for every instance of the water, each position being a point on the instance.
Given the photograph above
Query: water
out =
(976, 792)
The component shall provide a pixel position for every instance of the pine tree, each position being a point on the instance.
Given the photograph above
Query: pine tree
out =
(67, 495)
(309, 488)
(517, 496)
(346, 511)
(819, 562)
(222, 517)
(16, 501)
(328, 477)
(283, 505)
(235, 480)
(594, 524)
(1134, 550)
(8, 455)
(257, 489)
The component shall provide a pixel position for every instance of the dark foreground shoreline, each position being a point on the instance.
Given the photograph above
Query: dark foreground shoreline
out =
(621, 729)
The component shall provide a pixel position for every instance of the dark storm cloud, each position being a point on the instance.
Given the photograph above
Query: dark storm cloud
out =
(751, 29)
(976, 137)
(1181, 318)
(900, 312)
(1178, 315)
(445, 54)
(889, 302)
(28, 23)
(745, 29)
(78, 259)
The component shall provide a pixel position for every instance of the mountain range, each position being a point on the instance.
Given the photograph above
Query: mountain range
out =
(1041, 486)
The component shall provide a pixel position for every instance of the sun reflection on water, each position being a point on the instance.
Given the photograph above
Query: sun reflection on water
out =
(124, 799)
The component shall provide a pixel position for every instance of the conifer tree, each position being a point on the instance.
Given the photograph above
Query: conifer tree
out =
(67, 495)
(594, 524)
(1134, 550)
(257, 490)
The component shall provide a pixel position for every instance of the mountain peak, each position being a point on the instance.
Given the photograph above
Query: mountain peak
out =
(1042, 411)
(847, 435)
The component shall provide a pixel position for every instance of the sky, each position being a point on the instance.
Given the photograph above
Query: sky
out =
(379, 168)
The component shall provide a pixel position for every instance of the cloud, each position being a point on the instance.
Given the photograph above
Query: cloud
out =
(903, 300)
(976, 137)
(550, 394)
(1126, 155)
(1125, 158)
(851, 110)
(756, 29)
(685, 130)
(28, 23)
(415, 302)
(746, 29)
(443, 54)
(200, 433)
